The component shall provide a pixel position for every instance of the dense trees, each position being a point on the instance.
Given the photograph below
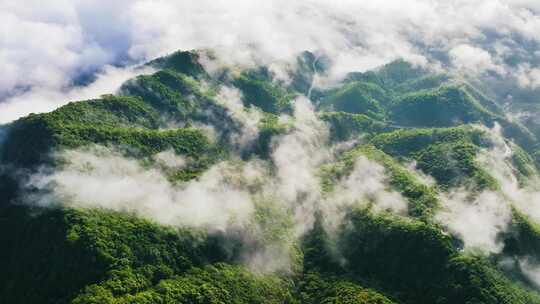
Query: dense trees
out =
(397, 114)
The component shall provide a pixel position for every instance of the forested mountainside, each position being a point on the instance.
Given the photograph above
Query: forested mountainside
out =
(243, 185)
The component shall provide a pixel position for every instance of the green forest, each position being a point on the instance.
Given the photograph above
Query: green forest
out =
(365, 215)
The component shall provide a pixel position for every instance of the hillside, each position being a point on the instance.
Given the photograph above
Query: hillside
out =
(191, 185)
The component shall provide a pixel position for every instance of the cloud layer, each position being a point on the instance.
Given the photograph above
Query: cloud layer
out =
(50, 48)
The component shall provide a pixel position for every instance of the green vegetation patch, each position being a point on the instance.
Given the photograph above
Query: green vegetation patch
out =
(454, 164)
(50, 255)
(356, 97)
(415, 262)
(344, 126)
(442, 107)
(421, 197)
(263, 93)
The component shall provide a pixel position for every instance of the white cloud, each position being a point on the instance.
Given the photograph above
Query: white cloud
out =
(476, 219)
(102, 178)
(46, 98)
(479, 218)
(473, 60)
(365, 186)
(231, 99)
(530, 269)
(46, 47)
(170, 160)
(528, 77)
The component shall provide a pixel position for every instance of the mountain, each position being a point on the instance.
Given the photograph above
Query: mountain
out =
(348, 193)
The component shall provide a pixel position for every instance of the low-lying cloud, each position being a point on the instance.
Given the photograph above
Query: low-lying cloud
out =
(231, 99)
(478, 219)
(482, 218)
(102, 178)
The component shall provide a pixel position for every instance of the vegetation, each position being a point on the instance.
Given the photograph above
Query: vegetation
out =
(358, 98)
(345, 126)
(422, 198)
(444, 106)
(393, 253)
(260, 92)
(396, 116)
(51, 255)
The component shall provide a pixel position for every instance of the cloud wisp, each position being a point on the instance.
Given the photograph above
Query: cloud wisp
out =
(481, 218)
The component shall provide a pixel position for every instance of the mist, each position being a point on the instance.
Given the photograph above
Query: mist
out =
(478, 219)
(227, 197)
(247, 118)
(482, 218)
